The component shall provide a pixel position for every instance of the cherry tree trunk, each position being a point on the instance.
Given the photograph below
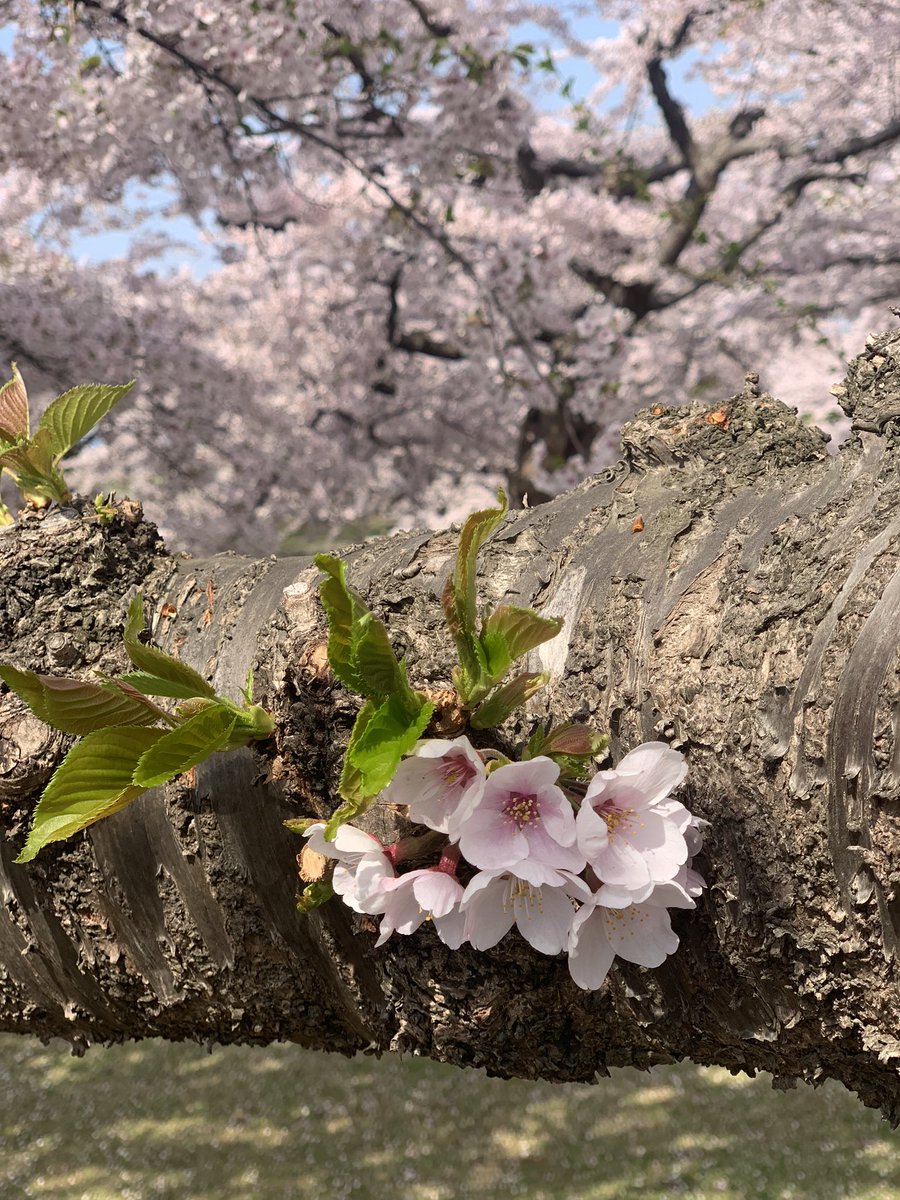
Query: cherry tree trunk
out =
(729, 587)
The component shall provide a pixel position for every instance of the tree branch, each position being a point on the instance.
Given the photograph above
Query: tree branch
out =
(281, 123)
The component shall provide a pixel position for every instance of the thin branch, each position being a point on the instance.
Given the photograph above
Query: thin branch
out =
(672, 111)
(283, 124)
(621, 179)
(438, 29)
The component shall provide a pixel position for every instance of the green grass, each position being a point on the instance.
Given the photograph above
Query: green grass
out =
(154, 1120)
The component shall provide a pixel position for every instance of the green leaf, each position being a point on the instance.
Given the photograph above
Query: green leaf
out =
(505, 700)
(301, 824)
(381, 735)
(13, 408)
(253, 724)
(459, 599)
(92, 781)
(359, 649)
(182, 748)
(375, 660)
(158, 674)
(32, 460)
(73, 414)
(388, 735)
(341, 607)
(75, 705)
(314, 895)
(351, 783)
(510, 632)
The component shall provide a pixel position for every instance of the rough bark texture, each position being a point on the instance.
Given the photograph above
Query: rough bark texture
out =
(728, 587)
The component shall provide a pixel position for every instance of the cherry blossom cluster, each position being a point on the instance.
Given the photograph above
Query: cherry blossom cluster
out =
(592, 875)
(343, 221)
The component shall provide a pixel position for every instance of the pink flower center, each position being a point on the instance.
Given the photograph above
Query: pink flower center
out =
(521, 809)
(457, 771)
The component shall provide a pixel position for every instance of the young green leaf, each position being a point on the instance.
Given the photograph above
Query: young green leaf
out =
(301, 824)
(351, 781)
(510, 632)
(158, 674)
(185, 746)
(75, 705)
(506, 699)
(359, 650)
(93, 781)
(13, 408)
(459, 598)
(388, 735)
(252, 724)
(31, 465)
(75, 413)
(343, 609)
(381, 735)
(314, 895)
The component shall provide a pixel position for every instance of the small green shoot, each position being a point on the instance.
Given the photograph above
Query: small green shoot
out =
(506, 634)
(393, 717)
(129, 742)
(33, 461)
(572, 746)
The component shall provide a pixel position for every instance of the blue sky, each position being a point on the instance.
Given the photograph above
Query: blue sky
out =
(200, 257)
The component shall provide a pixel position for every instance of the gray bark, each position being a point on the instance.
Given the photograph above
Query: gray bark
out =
(728, 587)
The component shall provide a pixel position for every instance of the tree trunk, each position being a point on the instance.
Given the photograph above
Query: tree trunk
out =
(728, 587)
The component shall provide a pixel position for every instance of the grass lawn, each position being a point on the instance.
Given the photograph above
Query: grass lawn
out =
(151, 1120)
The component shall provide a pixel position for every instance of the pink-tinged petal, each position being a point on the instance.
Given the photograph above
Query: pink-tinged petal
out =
(616, 895)
(530, 777)
(488, 916)
(451, 928)
(374, 877)
(590, 954)
(641, 934)
(544, 917)
(693, 835)
(350, 840)
(654, 769)
(437, 892)
(660, 843)
(621, 863)
(593, 834)
(599, 786)
(315, 839)
(412, 777)
(440, 747)
(344, 883)
(468, 804)
(675, 813)
(537, 873)
(557, 816)
(491, 841)
(694, 882)
(547, 850)
(670, 894)
(435, 780)
(402, 914)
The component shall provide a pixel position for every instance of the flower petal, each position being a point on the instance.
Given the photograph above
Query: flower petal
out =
(544, 919)
(491, 841)
(590, 953)
(640, 934)
(654, 768)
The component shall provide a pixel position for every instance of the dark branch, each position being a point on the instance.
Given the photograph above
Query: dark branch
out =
(672, 111)
(438, 29)
(618, 177)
